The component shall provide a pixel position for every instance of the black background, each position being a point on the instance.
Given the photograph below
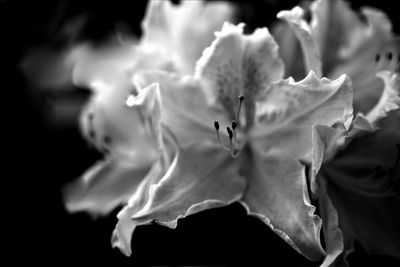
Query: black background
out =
(40, 159)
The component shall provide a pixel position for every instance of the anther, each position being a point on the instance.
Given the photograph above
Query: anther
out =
(216, 125)
(234, 128)
(389, 56)
(230, 133)
(241, 98)
(377, 57)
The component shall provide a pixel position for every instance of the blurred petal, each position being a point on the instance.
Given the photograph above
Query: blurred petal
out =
(302, 30)
(277, 194)
(236, 65)
(112, 182)
(105, 186)
(359, 49)
(289, 50)
(390, 99)
(125, 131)
(203, 176)
(290, 109)
(366, 197)
(185, 109)
(186, 29)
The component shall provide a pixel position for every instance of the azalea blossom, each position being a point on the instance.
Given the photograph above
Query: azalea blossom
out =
(181, 137)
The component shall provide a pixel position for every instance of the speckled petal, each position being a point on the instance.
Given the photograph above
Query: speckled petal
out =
(237, 64)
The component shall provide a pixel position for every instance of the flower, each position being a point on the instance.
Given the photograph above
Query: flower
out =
(169, 155)
(166, 43)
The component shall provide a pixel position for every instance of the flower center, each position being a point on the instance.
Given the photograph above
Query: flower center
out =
(234, 147)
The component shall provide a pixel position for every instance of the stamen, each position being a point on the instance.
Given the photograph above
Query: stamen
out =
(234, 128)
(230, 133)
(377, 57)
(233, 149)
(216, 126)
(241, 98)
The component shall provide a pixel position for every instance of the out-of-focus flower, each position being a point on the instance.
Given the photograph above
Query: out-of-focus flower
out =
(166, 43)
(162, 124)
(338, 40)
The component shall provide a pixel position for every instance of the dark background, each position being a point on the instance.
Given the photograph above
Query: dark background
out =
(41, 158)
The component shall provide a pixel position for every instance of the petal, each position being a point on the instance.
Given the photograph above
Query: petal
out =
(290, 50)
(326, 141)
(203, 176)
(104, 187)
(185, 29)
(121, 237)
(334, 242)
(390, 99)
(112, 182)
(302, 30)
(358, 47)
(290, 109)
(277, 194)
(125, 131)
(361, 194)
(185, 109)
(236, 64)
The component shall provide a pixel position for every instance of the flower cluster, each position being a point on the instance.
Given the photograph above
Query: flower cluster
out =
(188, 123)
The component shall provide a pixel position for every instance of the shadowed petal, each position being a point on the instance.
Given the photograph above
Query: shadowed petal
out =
(290, 109)
(277, 194)
(366, 197)
(236, 64)
(302, 30)
(359, 48)
(333, 235)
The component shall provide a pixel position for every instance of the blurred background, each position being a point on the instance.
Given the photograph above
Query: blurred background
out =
(44, 153)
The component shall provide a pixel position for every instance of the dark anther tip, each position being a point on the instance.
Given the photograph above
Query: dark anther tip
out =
(92, 134)
(241, 98)
(230, 133)
(377, 57)
(216, 125)
(107, 140)
(389, 55)
(234, 125)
